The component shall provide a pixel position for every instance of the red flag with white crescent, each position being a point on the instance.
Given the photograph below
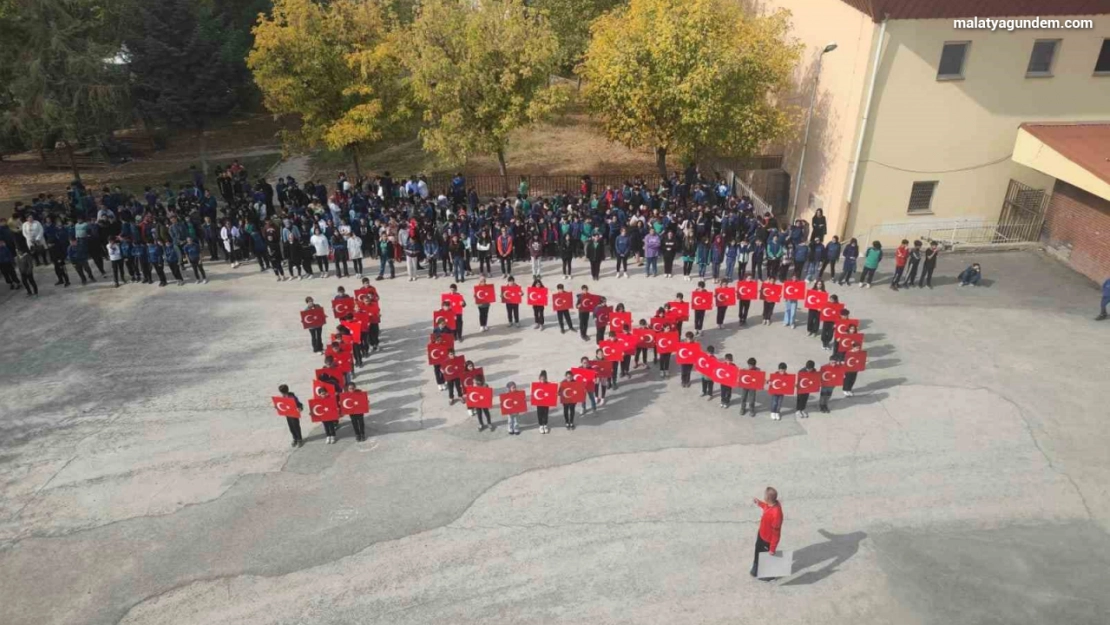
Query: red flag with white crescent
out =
(753, 380)
(562, 300)
(782, 384)
(726, 374)
(323, 409)
(816, 300)
(513, 402)
(701, 300)
(794, 290)
(354, 402)
(286, 407)
(725, 296)
(747, 289)
(687, 353)
(484, 294)
(832, 375)
(666, 342)
(855, 361)
(537, 296)
(809, 382)
(478, 396)
(572, 392)
(545, 394)
(619, 320)
(313, 318)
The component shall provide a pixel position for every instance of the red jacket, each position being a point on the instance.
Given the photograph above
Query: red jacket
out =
(770, 526)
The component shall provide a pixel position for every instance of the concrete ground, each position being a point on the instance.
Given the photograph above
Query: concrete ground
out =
(147, 480)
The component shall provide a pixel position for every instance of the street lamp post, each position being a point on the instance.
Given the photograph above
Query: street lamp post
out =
(809, 118)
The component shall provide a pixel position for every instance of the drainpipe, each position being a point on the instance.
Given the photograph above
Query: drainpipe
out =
(863, 127)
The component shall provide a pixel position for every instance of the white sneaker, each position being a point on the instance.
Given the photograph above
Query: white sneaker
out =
(848, 394)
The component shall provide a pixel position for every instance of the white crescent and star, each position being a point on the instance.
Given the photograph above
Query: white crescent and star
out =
(722, 372)
(541, 394)
(747, 379)
(347, 404)
(316, 410)
(473, 397)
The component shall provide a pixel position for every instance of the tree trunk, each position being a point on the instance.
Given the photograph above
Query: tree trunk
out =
(578, 85)
(354, 161)
(202, 148)
(73, 161)
(661, 161)
(503, 169)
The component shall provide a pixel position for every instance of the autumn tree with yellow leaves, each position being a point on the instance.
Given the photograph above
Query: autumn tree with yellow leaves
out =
(689, 77)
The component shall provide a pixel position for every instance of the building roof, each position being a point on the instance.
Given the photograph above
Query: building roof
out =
(938, 9)
(1085, 144)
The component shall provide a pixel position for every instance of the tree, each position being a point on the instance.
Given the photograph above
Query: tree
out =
(65, 90)
(570, 21)
(179, 73)
(690, 76)
(480, 71)
(334, 66)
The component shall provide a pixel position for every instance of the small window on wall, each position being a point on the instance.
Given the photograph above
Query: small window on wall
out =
(1040, 60)
(1102, 65)
(921, 197)
(952, 59)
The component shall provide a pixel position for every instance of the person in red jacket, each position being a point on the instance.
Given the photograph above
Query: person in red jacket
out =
(770, 526)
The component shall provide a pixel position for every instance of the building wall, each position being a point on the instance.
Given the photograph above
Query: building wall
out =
(837, 107)
(1077, 228)
(961, 133)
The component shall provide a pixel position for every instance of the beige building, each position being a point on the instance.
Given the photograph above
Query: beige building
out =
(916, 120)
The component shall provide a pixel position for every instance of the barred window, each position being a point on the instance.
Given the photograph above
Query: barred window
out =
(921, 197)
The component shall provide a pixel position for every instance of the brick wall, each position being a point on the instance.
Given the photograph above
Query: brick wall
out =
(1077, 227)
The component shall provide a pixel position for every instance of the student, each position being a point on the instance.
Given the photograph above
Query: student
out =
(412, 259)
(744, 305)
(827, 327)
(802, 399)
(664, 359)
(293, 422)
(293, 251)
(564, 315)
(358, 422)
(154, 253)
(480, 382)
(601, 318)
(929, 265)
(776, 400)
(850, 255)
(329, 426)
(483, 309)
(115, 257)
(542, 411)
(768, 305)
(689, 253)
(641, 351)
(512, 310)
(721, 310)
(514, 422)
(699, 315)
(593, 393)
(454, 290)
(320, 249)
(142, 261)
(826, 391)
(669, 245)
(849, 376)
(870, 264)
(747, 395)
(505, 253)
(912, 265)
(7, 267)
(901, 256)
(971, 275)
(583, 313)
(455, 386)
(173, 259)
(25, 263)
(595, 254)
(316, 334)
(566, 253)
(726, 391)
(80, 259)
(438, 335)
(792, 311)
(813, 317)
(192, 251)
(568, 409)
(685, 370)
(537, 311)
(832, 254)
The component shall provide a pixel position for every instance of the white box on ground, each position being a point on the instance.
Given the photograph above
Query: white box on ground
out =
(778, 565)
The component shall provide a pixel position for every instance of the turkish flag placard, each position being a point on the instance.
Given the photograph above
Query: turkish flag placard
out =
(455, 299)
(628, 342)
(562, 300)
(816, 300)
(782, 384)
(286, 407)
(453, 368)
(769, 292)
(313, 318)
(484, 294)
(446, 339)
(363, 294)
(572, 392)
(512, 294)
(855, 361)
(659, 324)
(701, 300)
(478, 396)
(355, 327)
(645, 337)
(666, 342)
(344, 361)
(832, 375)
(537, 296)
(725, 296)
(513, 402)
(705, 364)
(794, 290)
(447, 315)
(470, 376)
(687, 353)
(585, 376)
(753, 379)
(747, 289)
(323, 409)
(844, 325)
(619, 320)
(587, 302)
(354, 402)
(437, 353)
(545, 394)
(849, 341)
(613, 350)
(604, 368)
(831, 311)
(343, 306)
(726, 374)
(681, 310)
(809, 382)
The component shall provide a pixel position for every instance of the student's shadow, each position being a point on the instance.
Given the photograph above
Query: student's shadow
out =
(837, 549)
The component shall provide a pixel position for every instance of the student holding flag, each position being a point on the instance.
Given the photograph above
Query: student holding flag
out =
(294, 423)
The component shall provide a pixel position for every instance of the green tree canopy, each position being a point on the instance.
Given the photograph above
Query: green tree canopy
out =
(690, 76)
(570, 21)
(334, 66)
(480, 70)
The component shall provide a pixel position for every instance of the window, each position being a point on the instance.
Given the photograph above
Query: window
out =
(952, 59)
(1102, 65)
(1040, 60)
(921, 197)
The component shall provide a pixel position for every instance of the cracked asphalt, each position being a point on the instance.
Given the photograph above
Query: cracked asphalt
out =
(147, 480)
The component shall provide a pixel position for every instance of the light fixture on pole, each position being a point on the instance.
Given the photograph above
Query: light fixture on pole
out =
(809, 118)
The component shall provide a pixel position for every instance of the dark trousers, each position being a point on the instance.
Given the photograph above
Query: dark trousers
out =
(568, 413)
(8, 269)
(911, 275)
(145, 264)
(801, 401)
(513, 310)
(622, 263)
(850, 380)
(898, 271)
(564, 318)
(726, 395)
(117, 271)
(329, 427)
(198, 270)
(483, 412)
(60, 271)
(685, 373)
(294, 427)
(213, 252)
(699, 319)
(595, 269)
(317, 336)
(507, 266)
(458, 327)
(745, 304)
(358, 423)
(537, 314)
(584, 325)
(161, 270)
(541, 414)
(760, 546)
(29, 283)
(664, 362)
(927, 275)
(707, 387)
(175, 269)
(83, 271)
(721, 310)
(567, 269)
(483, 316)
(813, 322)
